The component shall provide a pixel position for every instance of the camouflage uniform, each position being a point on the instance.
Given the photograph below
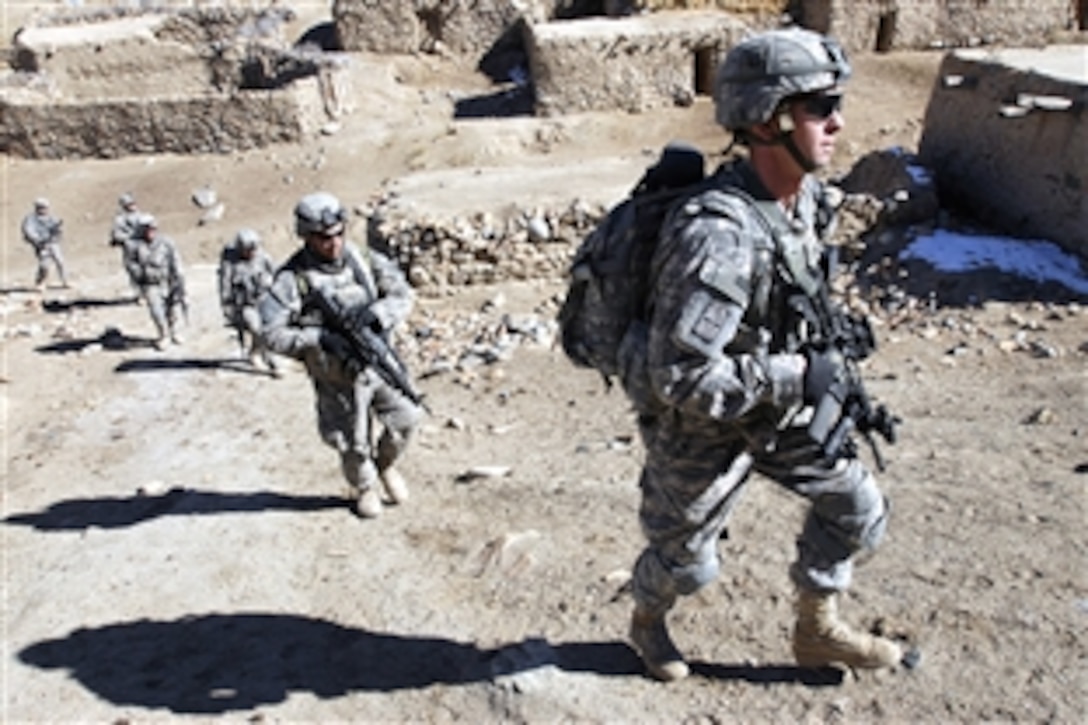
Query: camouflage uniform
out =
(293, 327)
(42, 231)
(125, 225)
(738, 353)
(242, 280)
(155, 269)
(725, 398)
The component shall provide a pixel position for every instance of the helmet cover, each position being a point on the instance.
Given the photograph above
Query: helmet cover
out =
(247, 239)
(319, 212)
(764, 70)
(144, 223)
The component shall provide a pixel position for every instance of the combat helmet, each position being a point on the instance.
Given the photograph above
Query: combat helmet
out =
(319, 212)
(144, 223)
(247, 240)
(126, 200)
(764, 70)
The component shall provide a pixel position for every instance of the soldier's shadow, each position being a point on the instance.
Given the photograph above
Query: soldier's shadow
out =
(230, 364)
(110, 513)
(84, 303)
(111, 339)
(217, 663)
(769, 674)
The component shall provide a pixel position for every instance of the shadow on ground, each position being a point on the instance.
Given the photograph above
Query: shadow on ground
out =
(505, 103)
(218, 663)
(85, 303)
(152, 365)
(110, 339)
(113, 513)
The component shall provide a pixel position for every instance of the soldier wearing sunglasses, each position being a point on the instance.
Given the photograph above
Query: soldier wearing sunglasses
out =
(734, 383)
(372, 288)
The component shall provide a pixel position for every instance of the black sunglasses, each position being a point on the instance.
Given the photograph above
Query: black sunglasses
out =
(821, 105)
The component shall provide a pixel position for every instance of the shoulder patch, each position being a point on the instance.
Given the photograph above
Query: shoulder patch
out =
(706, 324)
(729, 275)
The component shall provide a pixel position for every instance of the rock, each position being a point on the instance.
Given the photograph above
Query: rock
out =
(213, 214)
(478, 472)
(205, 197)
(1042, 416)
(539, 229)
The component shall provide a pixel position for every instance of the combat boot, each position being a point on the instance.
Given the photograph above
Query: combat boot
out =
(821, 639)
(369, 503)
(395, 485)
(652, 641)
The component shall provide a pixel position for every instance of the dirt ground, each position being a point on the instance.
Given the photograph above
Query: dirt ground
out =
(176, 545)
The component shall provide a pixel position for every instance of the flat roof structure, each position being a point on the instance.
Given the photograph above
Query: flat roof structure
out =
(1006, 133)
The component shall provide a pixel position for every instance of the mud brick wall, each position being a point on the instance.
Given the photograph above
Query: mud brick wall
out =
(409, 26)
(756, 7)
(902, 24)
(1010, 143)
(634, 64)
(110, 82)
(184, 124)
(118, 57)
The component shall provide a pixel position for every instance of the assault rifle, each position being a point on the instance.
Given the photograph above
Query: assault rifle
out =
(846, 406)
(238, 301)
(368, 346)
(177, 296)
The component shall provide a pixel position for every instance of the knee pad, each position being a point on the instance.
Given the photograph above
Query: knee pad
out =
(873, 532)
(694, 576)
(841, 526)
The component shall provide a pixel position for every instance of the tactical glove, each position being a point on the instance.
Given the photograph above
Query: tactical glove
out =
(336, 346)
(822, 370)
(363, 318)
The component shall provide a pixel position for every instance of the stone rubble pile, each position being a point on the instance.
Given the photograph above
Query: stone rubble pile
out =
(470, 344)
(436, 254)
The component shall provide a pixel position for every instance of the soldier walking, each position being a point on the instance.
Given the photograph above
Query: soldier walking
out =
(42, 231)
(245, 273)
(125, 224)
(728, 376)
(375, 296)
(155, 270)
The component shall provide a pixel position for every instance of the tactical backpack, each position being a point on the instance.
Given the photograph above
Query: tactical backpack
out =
(610, 273)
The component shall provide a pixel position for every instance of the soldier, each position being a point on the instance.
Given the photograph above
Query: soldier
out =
(42, 231)
(245, 272)
(124, 228)
(154, 268)
(375, 291)
(722, 378)
(126, 221)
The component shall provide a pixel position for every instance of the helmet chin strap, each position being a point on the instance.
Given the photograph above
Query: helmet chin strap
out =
(785, 137)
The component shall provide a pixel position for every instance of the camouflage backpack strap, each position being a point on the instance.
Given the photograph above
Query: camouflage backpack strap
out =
(362, 271)
(790, 251)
